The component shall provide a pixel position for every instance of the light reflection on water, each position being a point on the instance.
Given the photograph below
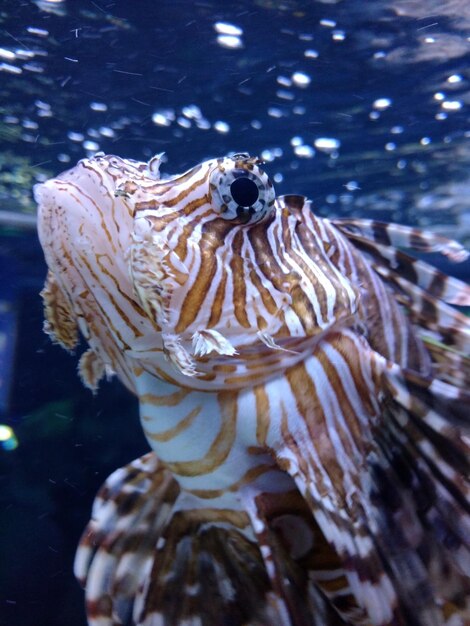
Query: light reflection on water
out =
(342, 76)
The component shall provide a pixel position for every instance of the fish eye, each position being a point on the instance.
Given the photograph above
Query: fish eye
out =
(240, 190)
(244, 191)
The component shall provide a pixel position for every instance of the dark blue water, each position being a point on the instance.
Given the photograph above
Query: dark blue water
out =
(362, 106)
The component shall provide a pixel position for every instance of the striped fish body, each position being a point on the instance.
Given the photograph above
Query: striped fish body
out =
(301, 384)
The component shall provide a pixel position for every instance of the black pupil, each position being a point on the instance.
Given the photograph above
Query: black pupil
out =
(244, 191)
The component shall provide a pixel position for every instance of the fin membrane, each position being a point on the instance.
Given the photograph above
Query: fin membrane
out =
(144, 562)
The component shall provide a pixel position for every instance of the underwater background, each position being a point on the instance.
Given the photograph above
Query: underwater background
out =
(363, 106)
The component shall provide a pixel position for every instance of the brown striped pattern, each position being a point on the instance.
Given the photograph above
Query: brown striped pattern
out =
(302, 384)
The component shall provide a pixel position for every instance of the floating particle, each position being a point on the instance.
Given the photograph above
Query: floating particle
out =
(441, 116)
(397, 130)
(161, 119)
(55, 7)
(192, 112)
(11, 69)
(45, 106)
(275, 112)
(183, 122)
(296, 141)
(229, 41)
(267, 156)
(278, 177)
(352, 185)
(300, 79)
(98, 106)
(425, 141)
(8, 440)
(203, 123)
(29, 138)
(299, 110)
(311, 54)
(24, 55)
(284, 81)
(381, 104)
(63, 158)
(327, 23)
(304, 151)
(7, 54)
(91, 146)
(34, 67)
(106, 131)
(454, 78)
(451, 105)
(283, 94)
(39, 32)
(327, 144)
(73, 136)
(390, 146)
(338, 35)
(439, 96)
(221, 127)
(30, 125)
(225, 28)
(256, 124)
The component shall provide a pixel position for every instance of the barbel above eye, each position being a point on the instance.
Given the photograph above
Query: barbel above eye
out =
(240, 190)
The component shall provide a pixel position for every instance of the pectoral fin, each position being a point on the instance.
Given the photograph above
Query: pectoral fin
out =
(60, 320)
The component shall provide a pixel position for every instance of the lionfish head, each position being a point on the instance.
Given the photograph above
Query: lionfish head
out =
(189, 231)
(209, 264)
(225, 268)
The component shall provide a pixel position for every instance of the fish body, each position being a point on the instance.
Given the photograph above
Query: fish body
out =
(302, 386)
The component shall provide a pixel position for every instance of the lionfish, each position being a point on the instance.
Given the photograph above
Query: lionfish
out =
(303, 385)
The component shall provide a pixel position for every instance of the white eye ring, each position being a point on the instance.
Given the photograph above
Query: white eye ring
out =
(240, 190)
